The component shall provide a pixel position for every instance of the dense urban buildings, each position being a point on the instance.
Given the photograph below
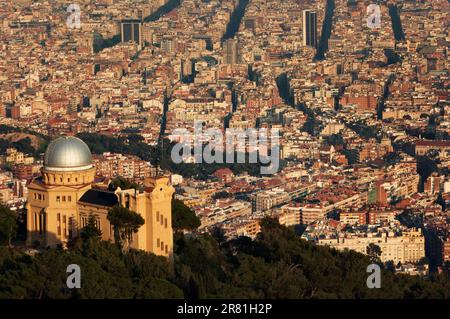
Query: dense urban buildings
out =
(361, 106)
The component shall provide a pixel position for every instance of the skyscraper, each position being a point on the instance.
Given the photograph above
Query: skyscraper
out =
(131, 30)
(231, 51)
(310, 28)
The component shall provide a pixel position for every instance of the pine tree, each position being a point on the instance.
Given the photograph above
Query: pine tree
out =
(125, 222)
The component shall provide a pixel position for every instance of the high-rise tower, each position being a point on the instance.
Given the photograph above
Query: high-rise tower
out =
(310, 28)
(231, 51)
(131, 30)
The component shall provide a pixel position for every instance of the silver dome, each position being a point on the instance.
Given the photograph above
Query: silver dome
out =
(67, 154)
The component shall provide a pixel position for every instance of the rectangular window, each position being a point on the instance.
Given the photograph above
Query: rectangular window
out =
(70, 231)
(157, 242)
(157, 216)
(64, 198)
(58, 198)
(165, 222)
(69, 198)
(162, 246)
(58, 224)
(40, 224)
(127, 201)
(167, 249)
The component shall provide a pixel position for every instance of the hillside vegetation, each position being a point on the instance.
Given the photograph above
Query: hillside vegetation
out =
(276, 265)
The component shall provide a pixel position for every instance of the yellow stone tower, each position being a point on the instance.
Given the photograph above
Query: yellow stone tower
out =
(61, 200)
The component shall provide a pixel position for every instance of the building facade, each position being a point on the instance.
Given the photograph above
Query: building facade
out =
(404, 248)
